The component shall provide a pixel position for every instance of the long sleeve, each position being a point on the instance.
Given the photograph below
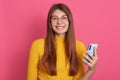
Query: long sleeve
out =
(33, 62)
(81, 49)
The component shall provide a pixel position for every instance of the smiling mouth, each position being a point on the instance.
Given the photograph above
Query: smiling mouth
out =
(60, 27)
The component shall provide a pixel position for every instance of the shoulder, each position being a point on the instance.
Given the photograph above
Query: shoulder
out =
(38, 41)
(79, 44)
(38, 44)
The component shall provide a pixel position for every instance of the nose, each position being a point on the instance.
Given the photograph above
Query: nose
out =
(59, 21)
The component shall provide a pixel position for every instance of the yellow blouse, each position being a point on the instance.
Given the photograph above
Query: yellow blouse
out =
(36, 53)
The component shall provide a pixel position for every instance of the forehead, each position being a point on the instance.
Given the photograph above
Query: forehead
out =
(58, 13)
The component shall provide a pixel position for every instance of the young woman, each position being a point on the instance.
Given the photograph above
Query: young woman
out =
(59, 56)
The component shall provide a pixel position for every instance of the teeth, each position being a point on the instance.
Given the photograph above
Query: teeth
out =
(59, 27)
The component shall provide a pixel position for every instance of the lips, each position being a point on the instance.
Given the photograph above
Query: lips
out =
(59, 27)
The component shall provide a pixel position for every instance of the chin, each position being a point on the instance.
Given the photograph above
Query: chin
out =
(62, 33)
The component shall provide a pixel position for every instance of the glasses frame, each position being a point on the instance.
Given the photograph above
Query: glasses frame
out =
(55, 19)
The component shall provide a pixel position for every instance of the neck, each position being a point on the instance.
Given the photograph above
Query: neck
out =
(60, 38)
(60, 35)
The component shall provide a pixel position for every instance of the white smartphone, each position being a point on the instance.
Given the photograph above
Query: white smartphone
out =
(91, 48)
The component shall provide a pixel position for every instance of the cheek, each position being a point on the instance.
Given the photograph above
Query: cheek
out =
(67, 24)
(53, 26)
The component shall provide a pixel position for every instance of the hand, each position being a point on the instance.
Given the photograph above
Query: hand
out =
(91, 60)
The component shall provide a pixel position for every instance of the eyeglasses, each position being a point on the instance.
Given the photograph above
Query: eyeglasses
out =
(63, 19)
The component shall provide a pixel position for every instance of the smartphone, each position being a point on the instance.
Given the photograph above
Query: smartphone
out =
(91, 48)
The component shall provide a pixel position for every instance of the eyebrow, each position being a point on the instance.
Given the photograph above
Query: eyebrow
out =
(57, 16)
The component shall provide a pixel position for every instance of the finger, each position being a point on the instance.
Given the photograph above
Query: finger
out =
(95, 51)
(88, 59)
(85, 57)
(87, 63)
(90, 55)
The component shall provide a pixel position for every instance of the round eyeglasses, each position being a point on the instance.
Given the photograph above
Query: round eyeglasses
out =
(64, 19)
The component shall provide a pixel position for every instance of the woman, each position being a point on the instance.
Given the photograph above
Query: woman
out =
(59, 56)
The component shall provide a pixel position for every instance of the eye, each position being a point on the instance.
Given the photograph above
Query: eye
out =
(65, 18)
(54, 18)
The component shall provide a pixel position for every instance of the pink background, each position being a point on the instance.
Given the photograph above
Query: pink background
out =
(23, 21)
